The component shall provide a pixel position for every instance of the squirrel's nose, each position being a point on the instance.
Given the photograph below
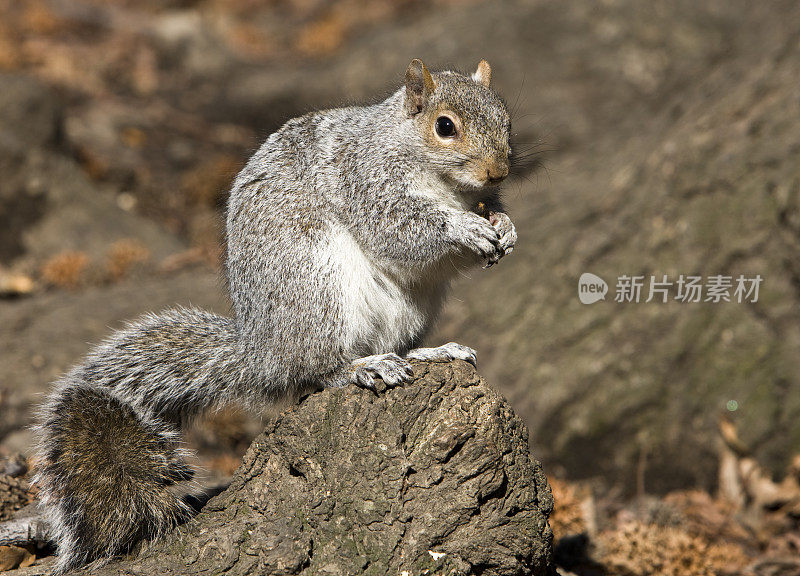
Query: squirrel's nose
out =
(496, 171)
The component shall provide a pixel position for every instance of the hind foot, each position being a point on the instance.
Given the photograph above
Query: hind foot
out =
(390, 368)
(450, 351)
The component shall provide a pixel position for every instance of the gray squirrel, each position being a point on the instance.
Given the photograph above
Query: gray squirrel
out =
(344, 231)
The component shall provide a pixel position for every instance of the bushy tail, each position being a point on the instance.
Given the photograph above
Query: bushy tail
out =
(105, 476)
(110, 450)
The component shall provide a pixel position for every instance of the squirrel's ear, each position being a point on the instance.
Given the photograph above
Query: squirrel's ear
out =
(419, 85)
(483, 74)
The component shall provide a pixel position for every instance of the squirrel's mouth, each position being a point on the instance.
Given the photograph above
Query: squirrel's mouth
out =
(479, 175)
(485, 172)
(473, 187)
(487, 180)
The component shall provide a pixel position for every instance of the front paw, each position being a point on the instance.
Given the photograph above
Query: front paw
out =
(479, 236)
(508, 235)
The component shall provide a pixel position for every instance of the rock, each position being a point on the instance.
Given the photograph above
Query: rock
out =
(30, 114)
(83, 216)
(435, 475)
(30, 118)
(47, 202)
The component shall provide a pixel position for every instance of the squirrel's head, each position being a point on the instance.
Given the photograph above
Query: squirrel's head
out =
(463, 123)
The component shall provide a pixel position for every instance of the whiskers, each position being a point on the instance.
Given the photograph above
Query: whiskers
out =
(528, 149)
(527, 158)
(527, 163)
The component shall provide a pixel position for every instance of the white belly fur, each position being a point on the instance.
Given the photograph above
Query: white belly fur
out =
(379, 315)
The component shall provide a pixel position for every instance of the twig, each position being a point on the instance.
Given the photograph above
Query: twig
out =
(23, 531)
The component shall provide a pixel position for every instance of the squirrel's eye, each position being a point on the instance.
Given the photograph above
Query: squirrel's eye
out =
(445, 127)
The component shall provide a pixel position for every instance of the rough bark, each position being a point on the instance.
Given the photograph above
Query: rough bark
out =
(435, 475)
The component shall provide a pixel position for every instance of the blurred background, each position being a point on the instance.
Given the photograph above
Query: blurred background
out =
(660, 138)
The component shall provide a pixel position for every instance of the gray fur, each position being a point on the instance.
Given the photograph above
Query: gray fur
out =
(344, 231)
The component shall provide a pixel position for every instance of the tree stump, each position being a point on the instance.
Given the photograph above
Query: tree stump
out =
(433, 477)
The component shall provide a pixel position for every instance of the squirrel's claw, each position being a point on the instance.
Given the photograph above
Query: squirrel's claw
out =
(508, 236)
(390, 368)
(478, 235)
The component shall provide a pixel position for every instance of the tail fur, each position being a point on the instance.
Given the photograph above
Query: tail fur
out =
(105, 476)
(110, 452)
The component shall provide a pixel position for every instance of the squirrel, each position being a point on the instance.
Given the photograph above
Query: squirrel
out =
(344, 231)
